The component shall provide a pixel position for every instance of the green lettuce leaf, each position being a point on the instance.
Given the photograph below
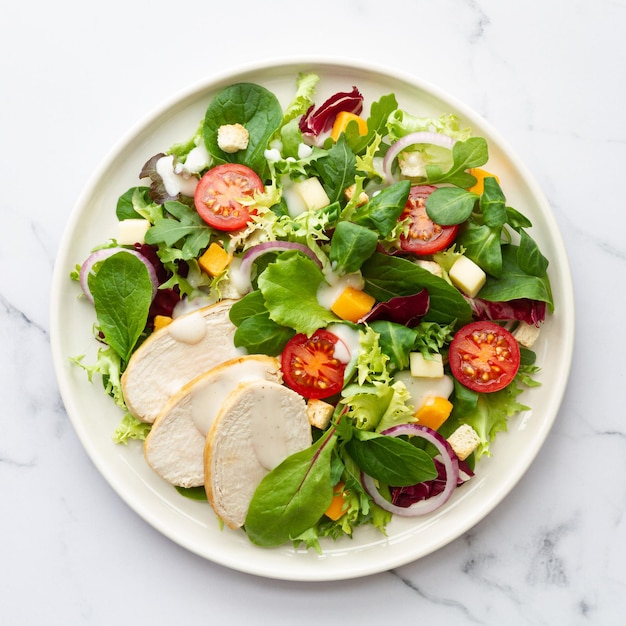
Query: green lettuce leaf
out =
(289, 287)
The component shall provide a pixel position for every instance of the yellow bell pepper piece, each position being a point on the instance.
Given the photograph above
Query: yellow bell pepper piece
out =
(480, 175)
(352, 304)
(161, 321)
(434, 412)
(341, 123)
(336, 510)
(214, 260)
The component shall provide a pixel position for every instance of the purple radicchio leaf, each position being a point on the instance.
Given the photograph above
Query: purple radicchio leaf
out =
(317, 121)
(405, 310)
(157, 192)
(522, 309)
(406, 496)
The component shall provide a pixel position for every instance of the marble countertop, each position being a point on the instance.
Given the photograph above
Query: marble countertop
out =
(547, 75)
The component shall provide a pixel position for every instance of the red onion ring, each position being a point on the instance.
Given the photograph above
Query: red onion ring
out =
(105, 253)
(448, 458)
(436, 139)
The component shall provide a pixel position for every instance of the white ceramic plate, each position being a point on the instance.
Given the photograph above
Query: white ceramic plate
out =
(192, 524)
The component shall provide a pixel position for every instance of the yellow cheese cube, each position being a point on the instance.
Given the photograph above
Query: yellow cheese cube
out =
(214, 260)
(422, 367)
(352, 304)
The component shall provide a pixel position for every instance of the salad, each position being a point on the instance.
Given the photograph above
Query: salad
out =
(372, 255)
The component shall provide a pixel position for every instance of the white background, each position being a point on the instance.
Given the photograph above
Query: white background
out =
(75, 77)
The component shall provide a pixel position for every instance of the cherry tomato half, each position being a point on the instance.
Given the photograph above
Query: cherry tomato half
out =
(484, 356)
(310, 366)
(424, 236)
(219, 191)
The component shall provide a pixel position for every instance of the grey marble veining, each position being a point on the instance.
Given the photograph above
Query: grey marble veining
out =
(547, 75)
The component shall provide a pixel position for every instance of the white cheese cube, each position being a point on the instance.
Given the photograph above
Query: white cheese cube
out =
(312, 193)
(422, 367)
(467, 276)
(132, 231)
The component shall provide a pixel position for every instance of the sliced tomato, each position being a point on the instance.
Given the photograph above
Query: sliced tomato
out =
(424, 236)
(310, 366)
(484, 356)
(218, 194)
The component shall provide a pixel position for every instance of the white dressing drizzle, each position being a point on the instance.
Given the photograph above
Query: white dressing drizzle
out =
(207, 399)
(268, 431)
(189, 328)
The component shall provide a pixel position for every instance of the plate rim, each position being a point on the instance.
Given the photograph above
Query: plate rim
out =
(231, 74)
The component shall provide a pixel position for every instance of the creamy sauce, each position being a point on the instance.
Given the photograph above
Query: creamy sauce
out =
(268, 431)
(197, 159)
(421, 388)
(238, 279)
(348, 348)
(175, 183)
(189, 328)
(207, 398)
(329, 291)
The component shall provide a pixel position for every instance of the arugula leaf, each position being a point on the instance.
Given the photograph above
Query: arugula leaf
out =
(350, 246)
(388, 276)
(184, 225)
(256, 332)
(122, 293)
(289, 287)
(293, 496)
(252, 106)
(391, 460)
(383, 210)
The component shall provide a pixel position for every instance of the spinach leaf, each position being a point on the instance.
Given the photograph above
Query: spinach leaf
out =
(253, 106)
(383, 210)
(492, 204)
(376, 123)
(289, 287)
(529, 257)
(256, 332)
(388, 276)
(184, 224)
(482, 245)
(350, 246)
(515, 283)
(125, 208)
(390, 460)
(450, 205)
(337, 169)
(122, 293)
(293, 496)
